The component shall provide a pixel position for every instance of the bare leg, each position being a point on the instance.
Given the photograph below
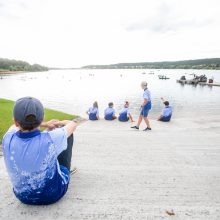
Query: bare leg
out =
(147, 122)
(139, 121)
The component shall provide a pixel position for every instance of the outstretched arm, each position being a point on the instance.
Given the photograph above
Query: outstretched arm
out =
(50, 125)
(70, 126)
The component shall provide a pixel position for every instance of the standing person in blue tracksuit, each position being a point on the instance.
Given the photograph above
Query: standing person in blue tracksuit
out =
(109, 113)
(93, 112)
(166, 112)
(125, 114)
(145, 108)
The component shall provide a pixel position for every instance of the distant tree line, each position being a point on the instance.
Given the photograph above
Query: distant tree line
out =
(212, 63)
(18, 65)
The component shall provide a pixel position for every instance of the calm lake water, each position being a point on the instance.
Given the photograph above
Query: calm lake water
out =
(74, 91)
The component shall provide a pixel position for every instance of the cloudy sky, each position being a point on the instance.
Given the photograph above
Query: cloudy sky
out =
(72, 33)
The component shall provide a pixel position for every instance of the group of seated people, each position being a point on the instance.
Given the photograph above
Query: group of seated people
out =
(124, 114)
(109, 113)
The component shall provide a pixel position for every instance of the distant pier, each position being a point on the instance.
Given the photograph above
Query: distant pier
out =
(195, 82)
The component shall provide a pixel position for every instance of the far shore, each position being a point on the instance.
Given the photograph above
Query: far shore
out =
(11, 72)
(91, 68)
(15, 72)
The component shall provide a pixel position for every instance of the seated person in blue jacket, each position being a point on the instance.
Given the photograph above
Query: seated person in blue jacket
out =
(38, 162)
(166, 112)
(109, 113)
(125, 114)
(93, 112)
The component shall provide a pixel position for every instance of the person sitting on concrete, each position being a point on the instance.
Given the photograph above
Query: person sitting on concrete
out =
(38, 162)
(109, 113)
(166, 112)
(125, 114)
(93, 112)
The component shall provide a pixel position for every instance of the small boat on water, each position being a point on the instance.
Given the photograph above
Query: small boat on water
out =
(202, 78)
(163, 77)
(196, 80)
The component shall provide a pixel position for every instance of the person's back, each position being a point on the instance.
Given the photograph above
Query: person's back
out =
(31, 160)
(38, 162)
(166, 112)
(109, 113)
(93, 112)
(123, 115)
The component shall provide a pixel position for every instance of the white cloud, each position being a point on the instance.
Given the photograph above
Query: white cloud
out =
(168, 18)
(75, 33)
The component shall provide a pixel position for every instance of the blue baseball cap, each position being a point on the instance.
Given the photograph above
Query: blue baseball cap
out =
(28, 111)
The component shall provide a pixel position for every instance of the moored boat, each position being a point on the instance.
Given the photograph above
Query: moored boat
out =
(163, 77)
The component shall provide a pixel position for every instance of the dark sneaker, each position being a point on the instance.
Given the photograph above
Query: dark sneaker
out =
(72, 171)
(147, 129)
(135, 127)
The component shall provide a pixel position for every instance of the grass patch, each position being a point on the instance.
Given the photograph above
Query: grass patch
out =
(6, 118)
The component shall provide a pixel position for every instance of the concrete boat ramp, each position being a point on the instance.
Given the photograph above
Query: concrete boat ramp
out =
(127, 174)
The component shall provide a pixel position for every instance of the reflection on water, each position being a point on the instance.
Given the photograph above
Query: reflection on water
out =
(74, 91)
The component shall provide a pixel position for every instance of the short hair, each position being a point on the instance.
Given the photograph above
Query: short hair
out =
(110, 104)
(31, 124)
(166, 103)
(126, 103)
(144, 84)
(95, 105)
